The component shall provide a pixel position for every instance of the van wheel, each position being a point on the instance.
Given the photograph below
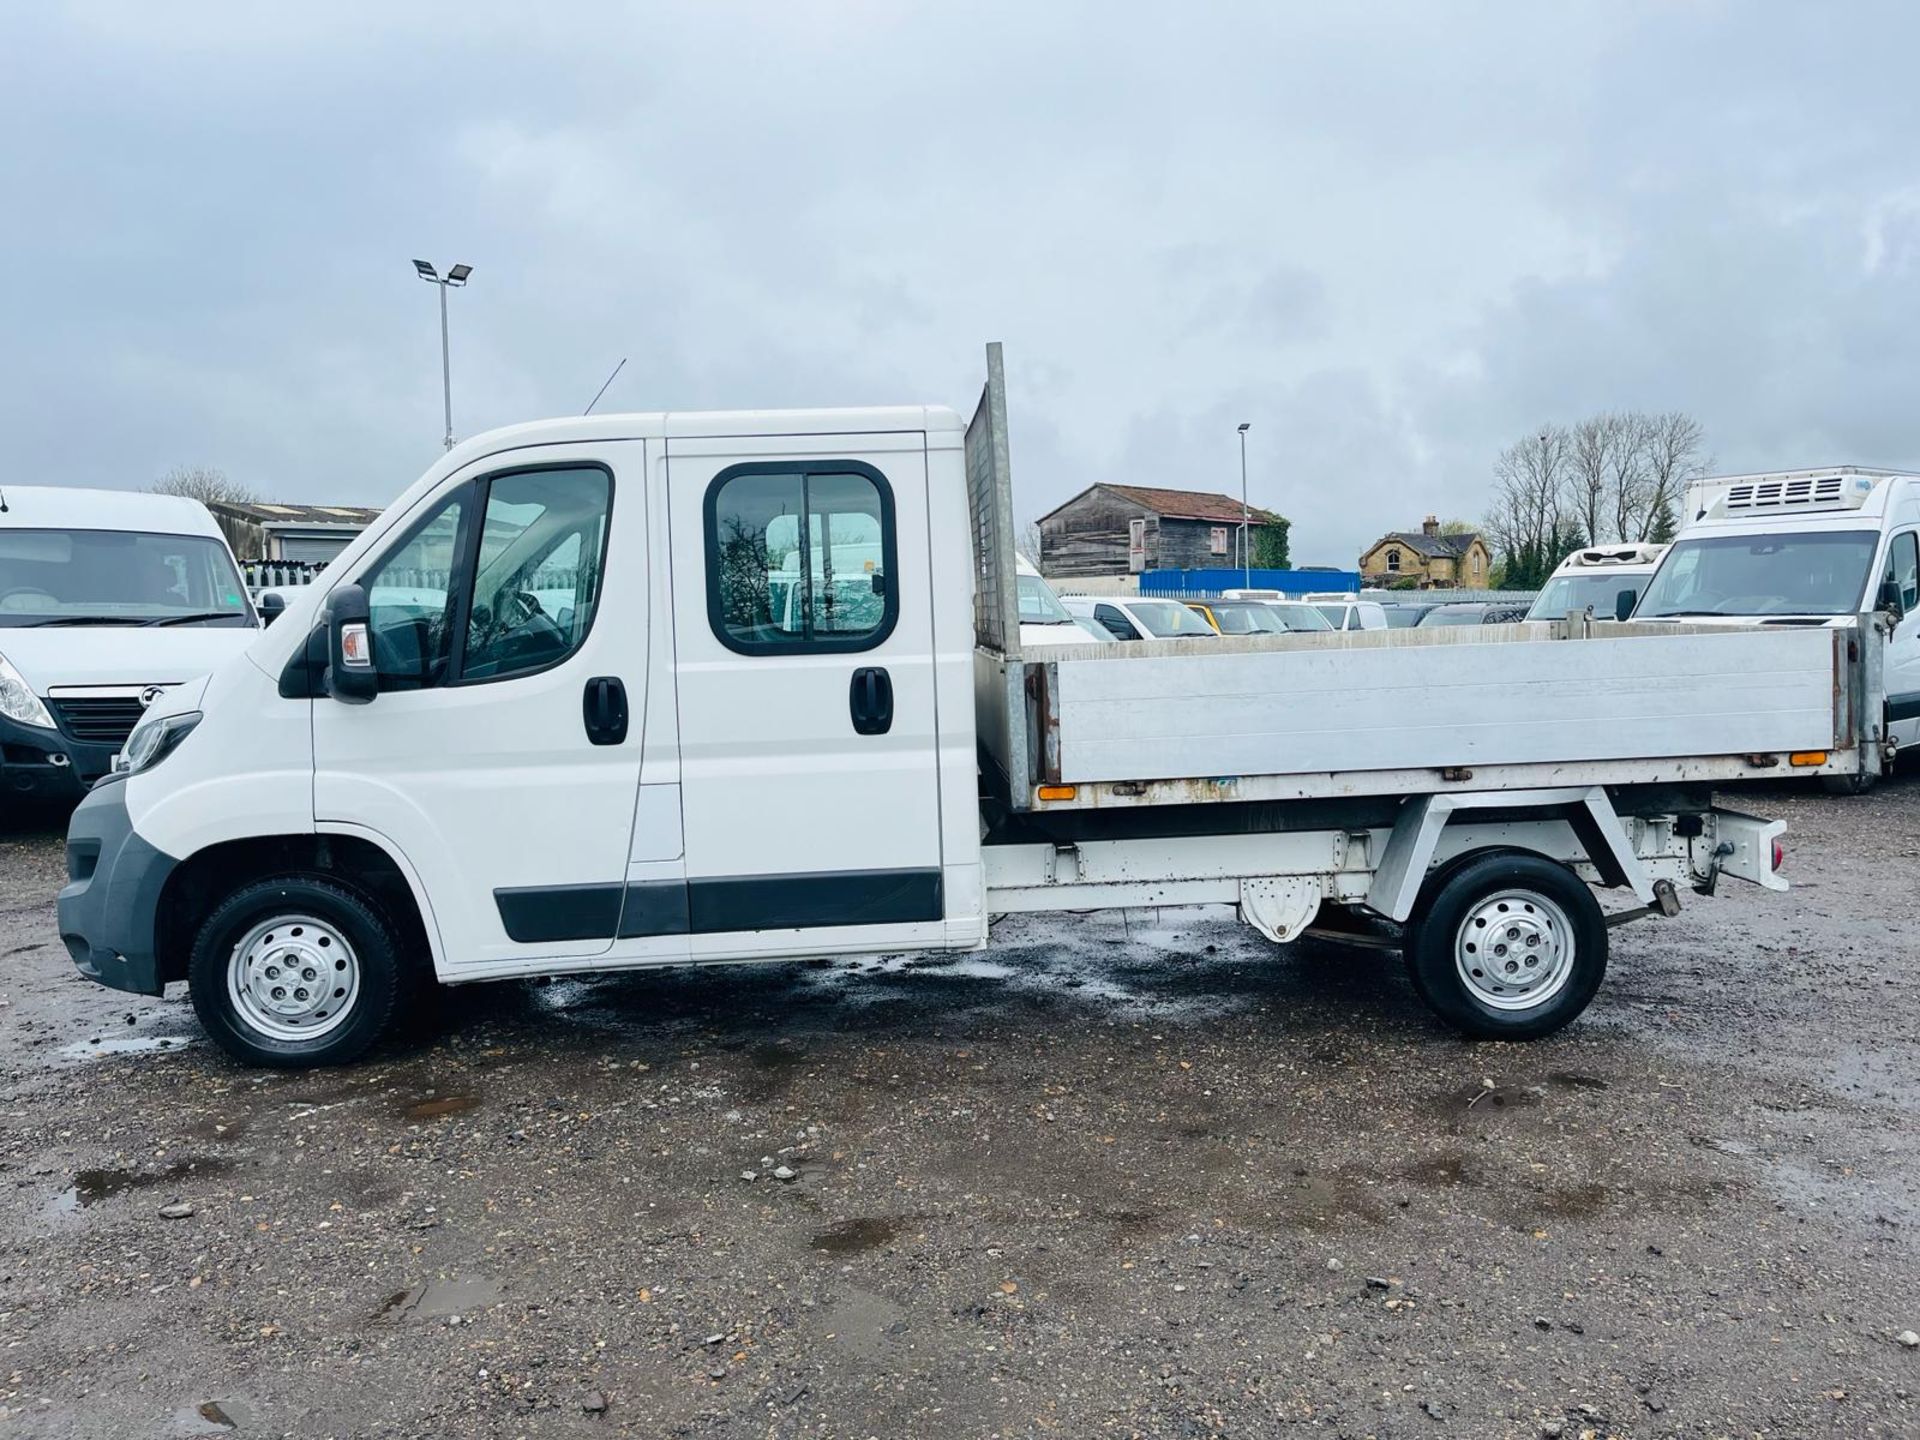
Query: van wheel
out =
(294, 972)
(1507, 946)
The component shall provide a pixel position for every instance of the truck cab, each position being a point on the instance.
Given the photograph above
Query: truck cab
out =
(107, 600)
(1805, 548)
(1603, 581)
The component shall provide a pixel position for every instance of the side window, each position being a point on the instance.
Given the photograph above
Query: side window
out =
(410, 599)
(543, 541)
(1903, 570)
(1117, 624)
(800, 557)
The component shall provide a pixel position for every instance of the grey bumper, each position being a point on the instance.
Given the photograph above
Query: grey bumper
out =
(111, 904)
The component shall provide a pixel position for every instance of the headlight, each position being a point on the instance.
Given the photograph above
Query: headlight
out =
(17, 702)
(153, 740)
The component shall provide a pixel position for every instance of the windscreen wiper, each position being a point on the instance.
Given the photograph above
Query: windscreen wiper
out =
(196, 615)
(1678, 614)
(85, 620)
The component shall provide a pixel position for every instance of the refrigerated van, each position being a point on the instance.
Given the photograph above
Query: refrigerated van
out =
(1834, 549)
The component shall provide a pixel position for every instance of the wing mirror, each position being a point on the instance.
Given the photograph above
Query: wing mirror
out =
(1890, 599)
(271, 604)
(1623, 603)
(351, 676)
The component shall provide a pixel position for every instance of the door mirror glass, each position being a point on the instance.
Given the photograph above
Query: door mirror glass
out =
(1623, 603)
(351, 675)
(1890, 599)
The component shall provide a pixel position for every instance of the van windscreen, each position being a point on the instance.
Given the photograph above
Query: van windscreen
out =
(116, 577)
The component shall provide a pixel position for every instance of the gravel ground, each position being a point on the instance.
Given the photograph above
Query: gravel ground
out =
(1131, 1176)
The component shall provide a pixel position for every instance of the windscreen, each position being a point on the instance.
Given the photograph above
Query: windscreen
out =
(1565, 594)
(1168, 619)
(117, 577)
(1300, 617)
(1039, 605)
(1249, 619)
(1449, 615)
(1793, 574)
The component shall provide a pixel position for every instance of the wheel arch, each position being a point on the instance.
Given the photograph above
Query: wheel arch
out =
(200, 882)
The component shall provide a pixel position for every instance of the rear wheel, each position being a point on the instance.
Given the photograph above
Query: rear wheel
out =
(1507, 946)
(296, 971)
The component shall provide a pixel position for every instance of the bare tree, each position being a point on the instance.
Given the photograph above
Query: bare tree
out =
(1675, 452)
(1528, 479)
(1592, 448)
(1026, 539)
(203, 483)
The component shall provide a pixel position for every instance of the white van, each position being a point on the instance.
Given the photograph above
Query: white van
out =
(1603, 580)
(107, 598)
(1044, 621)
(1807, 548)
(1135, 617)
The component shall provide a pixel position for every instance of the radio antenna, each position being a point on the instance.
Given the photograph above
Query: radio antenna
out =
(603, 389)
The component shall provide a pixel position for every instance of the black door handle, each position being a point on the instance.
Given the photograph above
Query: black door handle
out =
(604, 708)
(870, 698)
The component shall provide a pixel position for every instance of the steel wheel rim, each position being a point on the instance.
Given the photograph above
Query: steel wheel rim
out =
(1514, 950)
(293, 977)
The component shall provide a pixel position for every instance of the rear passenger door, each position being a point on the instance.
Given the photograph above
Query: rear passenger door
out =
(805, 680)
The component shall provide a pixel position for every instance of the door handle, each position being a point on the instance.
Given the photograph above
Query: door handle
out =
(603, 706)
(870, 699)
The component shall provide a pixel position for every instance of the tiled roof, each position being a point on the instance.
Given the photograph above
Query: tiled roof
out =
(1434, 547)
(1181, 504)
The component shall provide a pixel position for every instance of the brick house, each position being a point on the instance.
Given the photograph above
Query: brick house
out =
(1096, 531)
(1433, 560)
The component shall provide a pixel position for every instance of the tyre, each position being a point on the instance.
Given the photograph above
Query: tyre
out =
(1507, 946)
(1859, 783)
(296, 971)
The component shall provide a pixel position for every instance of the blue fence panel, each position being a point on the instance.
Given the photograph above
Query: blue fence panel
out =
(1212, 582)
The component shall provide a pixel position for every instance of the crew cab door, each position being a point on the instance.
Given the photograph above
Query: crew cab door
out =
(501, 755)
(803, 634)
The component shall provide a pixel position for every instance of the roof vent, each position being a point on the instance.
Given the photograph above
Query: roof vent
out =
(1798, 492)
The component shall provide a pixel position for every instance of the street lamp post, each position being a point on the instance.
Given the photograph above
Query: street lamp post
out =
(1246, 554)
(453, 280)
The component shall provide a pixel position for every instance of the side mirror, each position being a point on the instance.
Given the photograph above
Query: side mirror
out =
(1623, 603)
(1890, 599)
(271, 604)
(351, 676)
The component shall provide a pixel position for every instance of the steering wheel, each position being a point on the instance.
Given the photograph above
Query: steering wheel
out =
(517, 608)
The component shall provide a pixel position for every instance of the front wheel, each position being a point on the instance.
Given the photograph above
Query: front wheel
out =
(296, 971)
(1507, 946)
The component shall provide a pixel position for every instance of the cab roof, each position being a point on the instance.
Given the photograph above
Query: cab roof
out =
(59, 507)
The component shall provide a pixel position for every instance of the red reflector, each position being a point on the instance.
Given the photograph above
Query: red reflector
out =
(1779, 853)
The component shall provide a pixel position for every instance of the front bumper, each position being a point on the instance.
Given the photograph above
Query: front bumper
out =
(110, 908)
(41, 762)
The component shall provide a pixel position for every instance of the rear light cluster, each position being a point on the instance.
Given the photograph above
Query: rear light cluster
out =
(1779, 853)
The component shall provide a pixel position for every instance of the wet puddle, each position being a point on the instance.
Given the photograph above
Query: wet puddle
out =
(100, 1047)
(440, 1300)
(853, 1237)
(92, 1187)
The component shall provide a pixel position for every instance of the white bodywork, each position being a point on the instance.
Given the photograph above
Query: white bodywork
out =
(1138, 616)
(1352, 614)
(742, 775)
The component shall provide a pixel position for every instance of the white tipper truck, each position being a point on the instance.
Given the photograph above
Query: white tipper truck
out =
(771, 700)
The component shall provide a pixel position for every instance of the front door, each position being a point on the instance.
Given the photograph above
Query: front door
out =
(804, 664)
(495, 757)
(1902, 676)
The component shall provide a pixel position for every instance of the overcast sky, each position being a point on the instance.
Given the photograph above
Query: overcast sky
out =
(1392, 240)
